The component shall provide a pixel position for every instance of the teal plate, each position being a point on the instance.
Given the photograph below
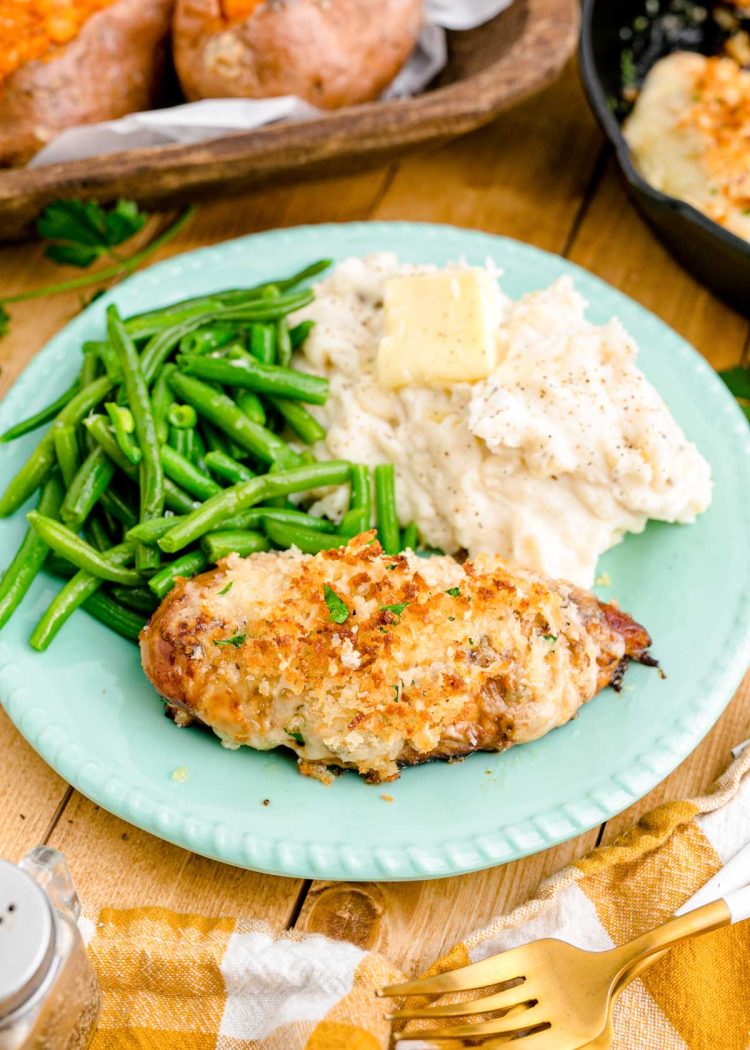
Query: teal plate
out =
(88, 710)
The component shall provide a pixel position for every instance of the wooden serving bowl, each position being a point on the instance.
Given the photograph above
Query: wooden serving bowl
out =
(490, 68)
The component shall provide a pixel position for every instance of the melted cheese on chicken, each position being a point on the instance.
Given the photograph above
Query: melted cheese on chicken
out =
(433, 659)
(689, 134)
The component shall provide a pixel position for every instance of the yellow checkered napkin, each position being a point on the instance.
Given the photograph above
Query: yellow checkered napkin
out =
(187, 982)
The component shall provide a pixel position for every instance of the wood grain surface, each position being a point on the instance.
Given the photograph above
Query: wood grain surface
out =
(489, 68)
(539, 173)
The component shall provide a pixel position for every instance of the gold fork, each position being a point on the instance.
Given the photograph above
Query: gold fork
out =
(563, 1002)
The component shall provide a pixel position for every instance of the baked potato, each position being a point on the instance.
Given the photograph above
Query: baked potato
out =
(330, 52)
(76, 62)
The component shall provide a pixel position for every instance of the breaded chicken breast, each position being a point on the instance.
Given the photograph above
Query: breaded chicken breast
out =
(368, 661)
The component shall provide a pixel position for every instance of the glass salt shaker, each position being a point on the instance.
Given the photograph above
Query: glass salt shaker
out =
(49, 998)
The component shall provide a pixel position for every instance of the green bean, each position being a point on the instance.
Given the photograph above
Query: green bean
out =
(182, 441)
(75, 592)
(283, 343)
(41, 417)
(98, 428)
(409, 537)
(302, 275)
(151, 323)
(91, 480)
(304, 425)
(65, 543)
(362, 487)
(223, 413)
(300, 332)
(265, 379)
(43, 459)
(198, 451)
(107, 356)
(161, 402)
(246, 494)
(186, 474)
(151, 474)
(183, 417)
(139, 599)
(385, 502)
(118, 507)
(204, 340)
(153, 529)
(177, 499)
(112, 615)
(31, 475)
(262, 343)
(220, 544)
(354, 522)
(161, 345)
(287, 516)
(310, 541)
(123, 425)
(226, 468)
(215, 440)
(65, 440)
(89, 369)
(359, 516)
(85, 401)
(99, 533)
(58, 566)
(29, 558)
(251, 405)
(188, 565)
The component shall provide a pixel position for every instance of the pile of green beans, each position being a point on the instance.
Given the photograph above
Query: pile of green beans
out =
(178, 444)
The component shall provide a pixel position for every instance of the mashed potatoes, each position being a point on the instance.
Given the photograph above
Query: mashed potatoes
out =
(689, 135)
(548, 462)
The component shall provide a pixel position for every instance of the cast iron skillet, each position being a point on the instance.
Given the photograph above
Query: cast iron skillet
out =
(716, 257)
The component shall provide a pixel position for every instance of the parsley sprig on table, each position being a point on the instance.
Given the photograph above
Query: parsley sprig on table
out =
(80, 233)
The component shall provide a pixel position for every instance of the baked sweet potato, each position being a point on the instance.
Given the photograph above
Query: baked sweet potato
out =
(330, 52)
(76, 63)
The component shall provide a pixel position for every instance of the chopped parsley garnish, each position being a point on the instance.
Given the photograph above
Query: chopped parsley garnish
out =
(455, 592)
(396, 693)
(396, 609)
(338, 610)
(451, 618)
(295, 736)
(550, 638)
(236, 640)
(472, 642)
(227, 589)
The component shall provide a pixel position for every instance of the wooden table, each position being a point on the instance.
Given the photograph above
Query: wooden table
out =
(542, 174)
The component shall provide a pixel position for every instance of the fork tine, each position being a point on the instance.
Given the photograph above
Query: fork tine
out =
(498, 1026)
(496, 970)
(517, 996)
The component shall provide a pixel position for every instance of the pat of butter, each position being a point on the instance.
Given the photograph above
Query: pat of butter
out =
(439, 328)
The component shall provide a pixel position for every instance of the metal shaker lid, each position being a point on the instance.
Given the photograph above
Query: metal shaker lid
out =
(27, 937)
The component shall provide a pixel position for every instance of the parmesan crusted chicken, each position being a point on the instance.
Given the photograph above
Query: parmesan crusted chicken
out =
(367, 661)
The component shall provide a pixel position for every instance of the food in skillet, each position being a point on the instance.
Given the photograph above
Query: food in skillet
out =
(689, 135)
(331, 54)
(367, 661)
(76, 62)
